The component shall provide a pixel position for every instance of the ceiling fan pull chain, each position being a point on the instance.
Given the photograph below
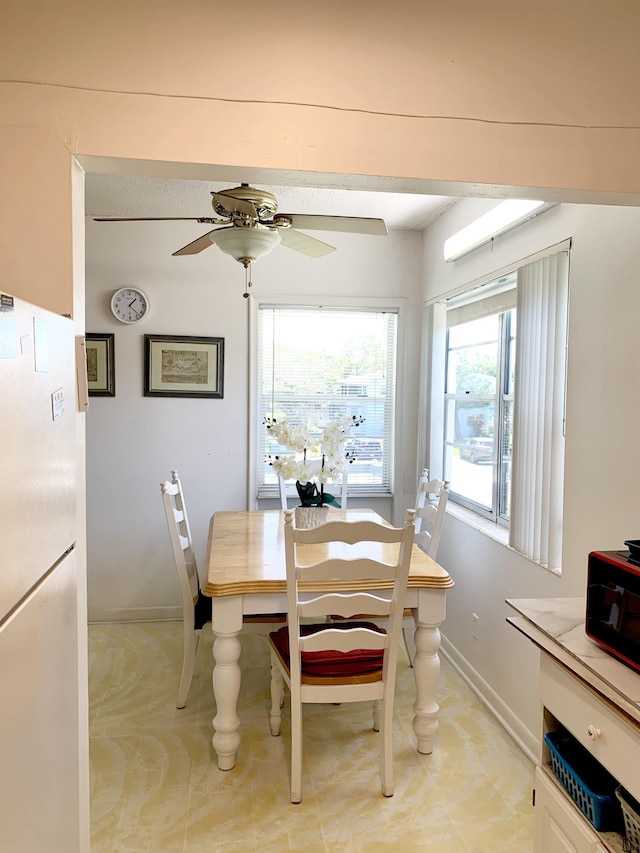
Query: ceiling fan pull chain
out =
(247, 282)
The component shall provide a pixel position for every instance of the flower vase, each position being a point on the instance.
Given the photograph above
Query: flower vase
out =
(311, 516)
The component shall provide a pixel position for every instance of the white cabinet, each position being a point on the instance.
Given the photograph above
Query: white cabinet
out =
(599, 726)
(558, 828)
(597, 700)
(612, 739)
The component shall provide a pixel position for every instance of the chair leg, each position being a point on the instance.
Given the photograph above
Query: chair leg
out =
(386, 747)
(277, 697)
(296, 748)
(376, 715)
(409, 644)
(190, 647)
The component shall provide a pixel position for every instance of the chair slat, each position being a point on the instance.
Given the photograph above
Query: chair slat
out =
(349, 532)
(346, 570)
(338, 604)
(346, 640)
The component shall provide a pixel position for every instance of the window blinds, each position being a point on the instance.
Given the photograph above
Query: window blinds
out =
(538, 431)
(318, 364)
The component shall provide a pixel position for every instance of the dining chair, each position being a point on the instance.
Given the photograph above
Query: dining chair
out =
(196, 607)
(431, 502)
(324, 662)
(338, 490)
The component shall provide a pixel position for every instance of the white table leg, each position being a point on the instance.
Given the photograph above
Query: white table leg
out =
(426, 671)
(426, 667)
(226, 679)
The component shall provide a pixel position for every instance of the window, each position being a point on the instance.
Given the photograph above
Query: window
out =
(317, 364)
(505, 381)
(479, 400)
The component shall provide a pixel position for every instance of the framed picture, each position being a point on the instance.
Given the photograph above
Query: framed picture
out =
(179, 366)
(101, 378)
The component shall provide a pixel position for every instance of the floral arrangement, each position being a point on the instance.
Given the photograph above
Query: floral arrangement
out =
(328, 447)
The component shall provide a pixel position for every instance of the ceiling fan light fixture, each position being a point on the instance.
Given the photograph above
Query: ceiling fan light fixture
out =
(245, 245)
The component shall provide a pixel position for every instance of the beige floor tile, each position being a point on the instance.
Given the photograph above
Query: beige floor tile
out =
(156, 786)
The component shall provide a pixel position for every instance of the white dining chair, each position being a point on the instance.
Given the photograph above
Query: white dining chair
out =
(431, 502)
(196, 607)
(324, 662)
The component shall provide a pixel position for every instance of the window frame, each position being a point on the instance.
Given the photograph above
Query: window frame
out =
(542, 526)
(398, 306)
(500, 399)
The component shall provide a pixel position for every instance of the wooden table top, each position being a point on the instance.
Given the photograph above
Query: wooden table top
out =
(245, 553)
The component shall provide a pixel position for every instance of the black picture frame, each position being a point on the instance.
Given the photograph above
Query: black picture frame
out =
(100, 355)
(183, 366)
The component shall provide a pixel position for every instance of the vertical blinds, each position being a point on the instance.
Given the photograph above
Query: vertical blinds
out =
(318, 364)
(538, 430)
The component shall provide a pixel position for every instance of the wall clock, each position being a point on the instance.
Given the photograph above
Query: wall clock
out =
(129, 305)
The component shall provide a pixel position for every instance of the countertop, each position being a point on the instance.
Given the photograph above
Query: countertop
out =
(556, 625)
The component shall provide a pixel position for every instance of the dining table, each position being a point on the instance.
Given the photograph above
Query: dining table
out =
(246, 576)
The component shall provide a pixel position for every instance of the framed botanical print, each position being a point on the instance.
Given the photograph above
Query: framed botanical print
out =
(183, 366)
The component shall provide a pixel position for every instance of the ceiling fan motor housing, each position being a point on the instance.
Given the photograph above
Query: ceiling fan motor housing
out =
(264, 202)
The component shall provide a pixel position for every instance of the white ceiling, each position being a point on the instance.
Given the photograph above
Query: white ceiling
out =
(126, 195)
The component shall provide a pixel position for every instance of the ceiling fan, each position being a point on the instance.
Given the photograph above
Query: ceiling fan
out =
(249, 226)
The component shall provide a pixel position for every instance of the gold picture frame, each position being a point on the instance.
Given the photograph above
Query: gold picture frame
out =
(101, 377)
(183, 366)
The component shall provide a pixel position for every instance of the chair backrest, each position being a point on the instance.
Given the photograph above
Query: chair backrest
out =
(338, 557)
(338, 490)
(181, 543)
(431, 502)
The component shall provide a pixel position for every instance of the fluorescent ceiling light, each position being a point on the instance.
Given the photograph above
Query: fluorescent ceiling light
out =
(506, 215)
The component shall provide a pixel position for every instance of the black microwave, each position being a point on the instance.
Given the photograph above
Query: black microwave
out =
(613, 604)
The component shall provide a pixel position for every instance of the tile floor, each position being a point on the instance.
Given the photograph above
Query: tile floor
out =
(156, 787)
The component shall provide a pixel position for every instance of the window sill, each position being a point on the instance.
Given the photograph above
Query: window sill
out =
(492, 530)
(489, 528)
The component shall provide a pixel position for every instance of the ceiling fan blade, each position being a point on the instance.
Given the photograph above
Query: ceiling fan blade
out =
(197, 246)
(304, 243)
(351, 224)
(235, 205)
(206, 219)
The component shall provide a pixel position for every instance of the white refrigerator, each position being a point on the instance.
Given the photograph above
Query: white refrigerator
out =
(39, 740)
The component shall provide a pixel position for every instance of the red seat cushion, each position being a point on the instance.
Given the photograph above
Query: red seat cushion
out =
(330, 663)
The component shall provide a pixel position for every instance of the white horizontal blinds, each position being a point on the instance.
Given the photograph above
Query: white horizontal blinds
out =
(538, 430)
(319, 364)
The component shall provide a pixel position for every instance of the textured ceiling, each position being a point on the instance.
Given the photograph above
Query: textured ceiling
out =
(124, 195)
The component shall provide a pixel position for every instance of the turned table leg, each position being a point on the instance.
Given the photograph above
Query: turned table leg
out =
(226, 679)
(426, 670)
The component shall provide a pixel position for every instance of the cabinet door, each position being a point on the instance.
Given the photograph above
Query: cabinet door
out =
(559, 827)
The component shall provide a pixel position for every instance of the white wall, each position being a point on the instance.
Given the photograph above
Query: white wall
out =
(602, 465)
(133, 441)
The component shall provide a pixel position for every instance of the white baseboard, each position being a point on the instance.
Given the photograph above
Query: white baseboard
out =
(527, 741)
(133, 614)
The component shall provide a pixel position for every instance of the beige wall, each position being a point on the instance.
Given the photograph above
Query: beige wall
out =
(455, 93)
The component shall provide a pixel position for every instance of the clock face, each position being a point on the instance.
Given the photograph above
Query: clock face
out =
(129, 305)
